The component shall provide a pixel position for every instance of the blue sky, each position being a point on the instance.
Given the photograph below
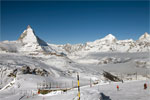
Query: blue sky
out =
(62, 22)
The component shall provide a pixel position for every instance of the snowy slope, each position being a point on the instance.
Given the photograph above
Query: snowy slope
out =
(30, 63)
(125, 65)
(128, 91)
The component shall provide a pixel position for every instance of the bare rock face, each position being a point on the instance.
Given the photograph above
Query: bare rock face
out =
(35, 71)
(111, 77)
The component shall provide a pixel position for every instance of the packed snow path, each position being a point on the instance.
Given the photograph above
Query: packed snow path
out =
(128, 91)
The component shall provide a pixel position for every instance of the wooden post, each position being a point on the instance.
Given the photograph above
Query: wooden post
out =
(78, 86)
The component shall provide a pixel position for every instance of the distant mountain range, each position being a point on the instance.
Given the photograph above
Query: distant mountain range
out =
(30, 43)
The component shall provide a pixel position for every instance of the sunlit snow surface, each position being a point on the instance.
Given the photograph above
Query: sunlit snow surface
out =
(58, 65)
(128, 91)
(63, 70)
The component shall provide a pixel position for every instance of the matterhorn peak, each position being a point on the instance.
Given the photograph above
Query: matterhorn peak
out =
(145, 37)
(28, 27)
(29, 37)
(31, 42)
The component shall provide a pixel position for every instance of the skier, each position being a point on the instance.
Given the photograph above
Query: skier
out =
(117, 87)
(145, 86)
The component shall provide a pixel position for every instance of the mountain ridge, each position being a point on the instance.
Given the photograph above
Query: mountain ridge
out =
(29, 42)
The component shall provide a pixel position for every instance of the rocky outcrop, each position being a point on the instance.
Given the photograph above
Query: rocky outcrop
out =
(111, 77)
(27, 70)
(35, 71)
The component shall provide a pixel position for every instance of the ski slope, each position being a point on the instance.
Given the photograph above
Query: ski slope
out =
(128, 91)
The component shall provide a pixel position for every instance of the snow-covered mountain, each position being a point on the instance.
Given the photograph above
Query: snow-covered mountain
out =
(29, 42)
(107, 39)
(145, 37)
(29, 37)
(35, 65)
(110, 44)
